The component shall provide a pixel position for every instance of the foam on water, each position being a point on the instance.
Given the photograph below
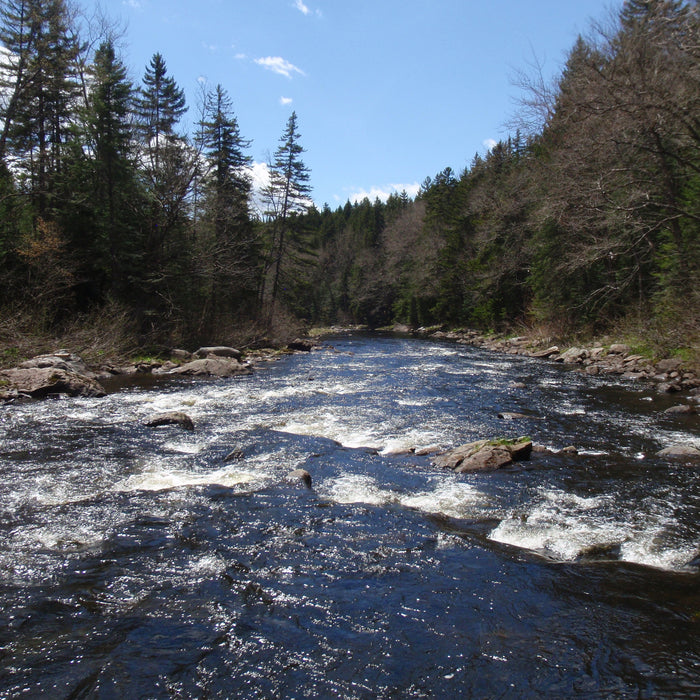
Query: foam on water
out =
(449, 497)
(160, 479)
(567, 527)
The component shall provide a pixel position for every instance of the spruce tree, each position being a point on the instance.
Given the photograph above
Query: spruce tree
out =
(287, 196)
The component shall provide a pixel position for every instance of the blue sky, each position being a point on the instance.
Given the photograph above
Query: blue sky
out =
(386, 92)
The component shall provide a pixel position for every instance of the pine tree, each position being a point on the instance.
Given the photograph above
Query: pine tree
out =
(160, 106)
(41, 69)
(227, 246)
(287, 195)
(112, 167)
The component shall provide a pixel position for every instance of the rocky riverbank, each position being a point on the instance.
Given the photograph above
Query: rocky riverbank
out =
(64, 373)
(617, 359)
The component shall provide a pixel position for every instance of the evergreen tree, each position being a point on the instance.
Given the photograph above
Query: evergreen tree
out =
(169, 166)
(42, 71)
(227, 245)
(104, 175)
(287, 196)
(159, 107)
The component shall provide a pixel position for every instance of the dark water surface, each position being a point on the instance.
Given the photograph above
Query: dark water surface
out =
(138, 563)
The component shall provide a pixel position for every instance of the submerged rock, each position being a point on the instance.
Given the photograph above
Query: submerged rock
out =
(510, 415)
(172, 418)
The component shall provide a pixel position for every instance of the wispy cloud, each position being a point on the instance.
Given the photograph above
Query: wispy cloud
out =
(382, 192)
(284, 101)
(279, 65)
(134, 4)
(302, 7)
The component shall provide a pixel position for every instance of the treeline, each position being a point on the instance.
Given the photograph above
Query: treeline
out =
(589, 214)
(106, 203)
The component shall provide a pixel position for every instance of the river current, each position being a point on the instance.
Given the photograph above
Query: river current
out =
(142, 563)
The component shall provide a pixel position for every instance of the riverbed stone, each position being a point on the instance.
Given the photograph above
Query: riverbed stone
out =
(301, 345)
(171, 418)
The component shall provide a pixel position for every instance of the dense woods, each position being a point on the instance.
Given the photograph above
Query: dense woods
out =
(586, 217)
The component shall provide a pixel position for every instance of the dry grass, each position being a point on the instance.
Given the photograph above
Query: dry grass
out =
(107, 335)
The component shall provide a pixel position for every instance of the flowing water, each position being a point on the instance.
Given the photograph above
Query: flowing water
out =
(141, 563)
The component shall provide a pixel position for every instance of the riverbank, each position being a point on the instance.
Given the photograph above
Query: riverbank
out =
(63, 372)
(670, 374)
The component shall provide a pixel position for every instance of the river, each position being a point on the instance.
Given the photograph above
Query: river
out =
(141, 563)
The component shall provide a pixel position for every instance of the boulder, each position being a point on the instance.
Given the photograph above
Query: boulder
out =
(212, 367)
(669, 364)
(619, 349)
(680, 452)
(218, 351)
(171, 418)
(61, 359)
(485, 455)
(300, 475)
(574, 356)
(40, 382)
(301, 345)
(681, 409)
(549, 352)
(669, 387)
(486, 459)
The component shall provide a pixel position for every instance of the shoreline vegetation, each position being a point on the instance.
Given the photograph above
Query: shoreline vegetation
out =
(112, 354)
(122, 236)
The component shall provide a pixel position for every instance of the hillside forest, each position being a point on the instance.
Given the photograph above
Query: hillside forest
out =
(585, 220)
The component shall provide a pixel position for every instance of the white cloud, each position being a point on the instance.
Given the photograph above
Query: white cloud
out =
(134, 4)
(284, 101)
(382, 192)
(278, 65)
(301, 7)
(490, 143)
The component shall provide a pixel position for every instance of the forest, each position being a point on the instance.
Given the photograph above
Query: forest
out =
(586, 220)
